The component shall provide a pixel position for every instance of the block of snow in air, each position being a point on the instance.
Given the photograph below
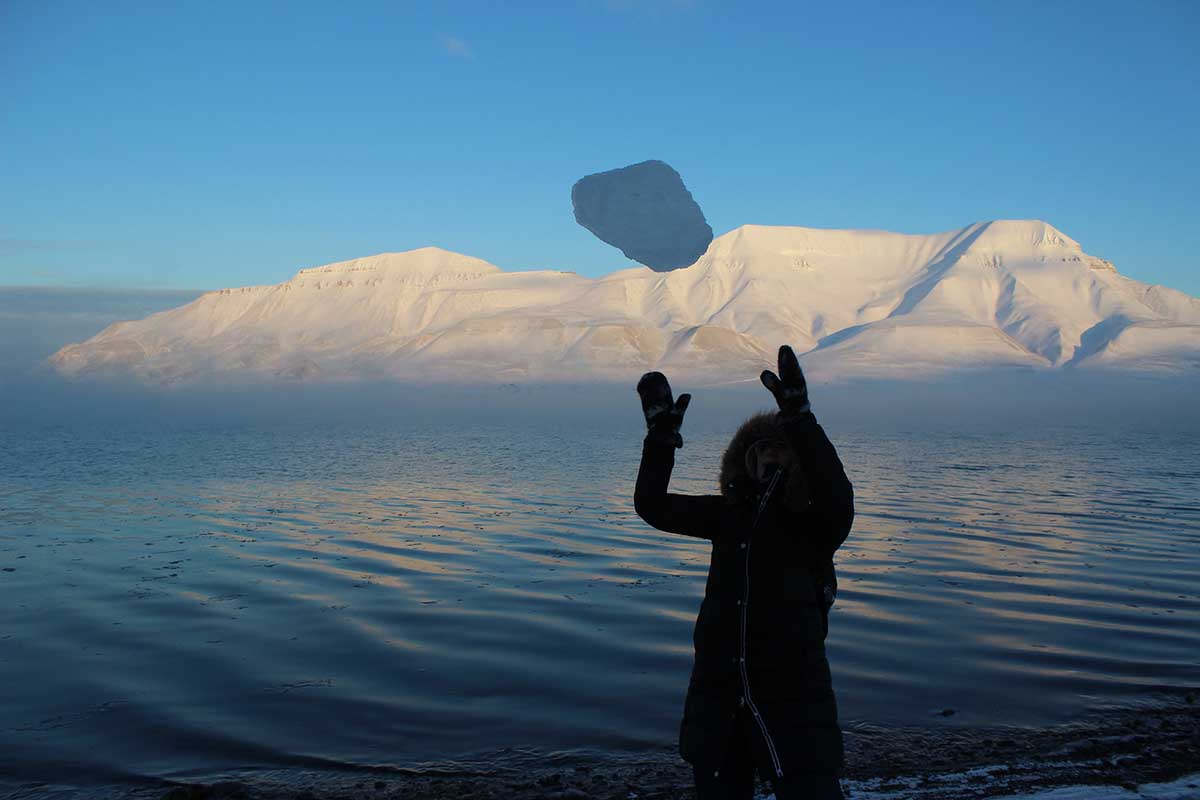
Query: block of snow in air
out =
(646, 212)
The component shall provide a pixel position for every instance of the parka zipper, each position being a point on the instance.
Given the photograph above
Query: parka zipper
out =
(745, 624)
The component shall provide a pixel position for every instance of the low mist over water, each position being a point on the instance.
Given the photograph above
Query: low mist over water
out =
(36, 321)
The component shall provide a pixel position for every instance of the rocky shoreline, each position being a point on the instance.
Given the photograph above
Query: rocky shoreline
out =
(1125, 748)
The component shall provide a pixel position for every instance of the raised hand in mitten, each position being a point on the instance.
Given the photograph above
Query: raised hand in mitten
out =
(789, 386)
(663, 414)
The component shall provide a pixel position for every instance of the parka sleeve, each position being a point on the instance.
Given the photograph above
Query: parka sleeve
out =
(691, 515)
(830, 490)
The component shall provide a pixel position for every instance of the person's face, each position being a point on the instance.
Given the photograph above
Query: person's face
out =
(768, 455)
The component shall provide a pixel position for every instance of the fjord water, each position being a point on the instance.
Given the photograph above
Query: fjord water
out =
(183, 595)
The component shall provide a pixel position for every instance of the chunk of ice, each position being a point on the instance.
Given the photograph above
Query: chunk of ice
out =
(646, 212)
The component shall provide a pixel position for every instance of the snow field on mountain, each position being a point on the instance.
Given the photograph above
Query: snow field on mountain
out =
(1009, 293)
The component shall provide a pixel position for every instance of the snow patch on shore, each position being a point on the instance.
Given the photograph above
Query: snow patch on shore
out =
(1185, 788)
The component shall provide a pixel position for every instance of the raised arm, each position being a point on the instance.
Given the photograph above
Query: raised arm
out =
(691, 515)
(830, 490)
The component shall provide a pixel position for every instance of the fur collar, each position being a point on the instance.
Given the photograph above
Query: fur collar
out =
(738, 485)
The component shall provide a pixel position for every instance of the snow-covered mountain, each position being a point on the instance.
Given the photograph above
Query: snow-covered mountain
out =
(851, 302)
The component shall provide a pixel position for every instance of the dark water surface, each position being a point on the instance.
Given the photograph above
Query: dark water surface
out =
(179, 600)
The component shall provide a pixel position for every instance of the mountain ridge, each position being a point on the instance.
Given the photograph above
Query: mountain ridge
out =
(998, 293)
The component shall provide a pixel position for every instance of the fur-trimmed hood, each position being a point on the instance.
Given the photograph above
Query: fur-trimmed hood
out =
(737, 484)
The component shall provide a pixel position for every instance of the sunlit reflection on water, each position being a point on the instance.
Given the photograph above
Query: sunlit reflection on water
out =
(194, 599)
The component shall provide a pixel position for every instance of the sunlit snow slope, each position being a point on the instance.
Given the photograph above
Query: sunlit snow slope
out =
(1004, 293)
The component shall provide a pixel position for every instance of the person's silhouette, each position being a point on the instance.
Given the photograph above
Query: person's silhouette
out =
(760, 694)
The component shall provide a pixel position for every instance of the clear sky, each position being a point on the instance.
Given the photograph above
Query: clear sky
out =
(209, 144)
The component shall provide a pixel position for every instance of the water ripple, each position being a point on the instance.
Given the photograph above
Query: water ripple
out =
(399, 594)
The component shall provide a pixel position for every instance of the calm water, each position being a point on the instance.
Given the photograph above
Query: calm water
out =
(177, 601)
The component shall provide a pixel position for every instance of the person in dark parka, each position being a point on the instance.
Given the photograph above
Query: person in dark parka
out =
(760, 694)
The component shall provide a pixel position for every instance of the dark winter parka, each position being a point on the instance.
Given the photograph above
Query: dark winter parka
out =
(760, 635)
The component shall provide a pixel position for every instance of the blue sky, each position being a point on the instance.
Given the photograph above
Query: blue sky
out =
(214, 144)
